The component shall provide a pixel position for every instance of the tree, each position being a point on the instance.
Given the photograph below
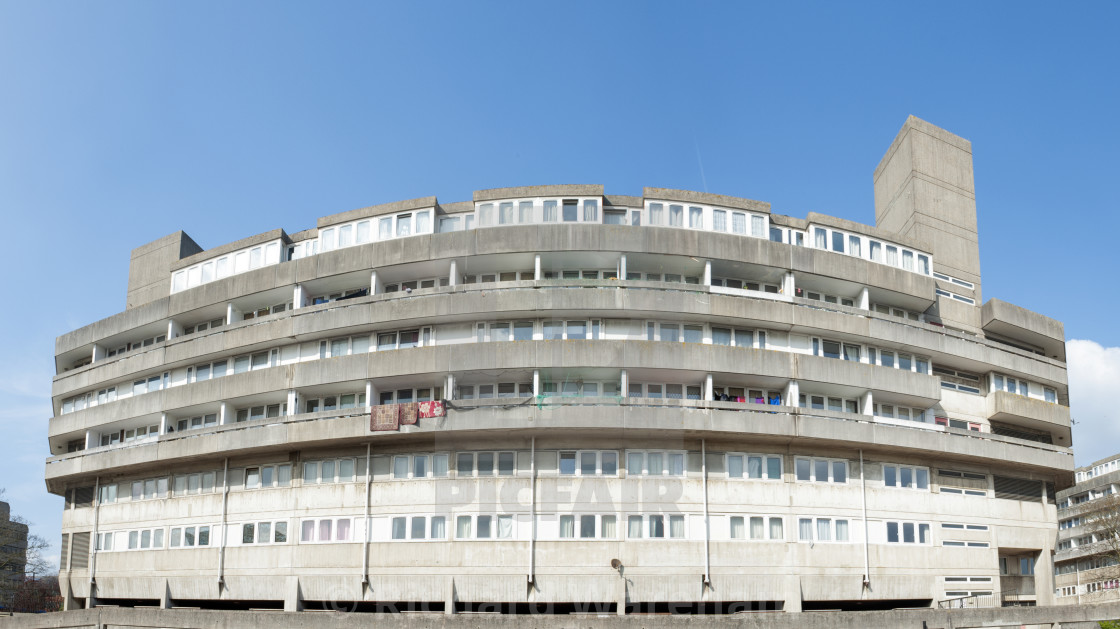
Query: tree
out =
(20, 554)
(1102, 518)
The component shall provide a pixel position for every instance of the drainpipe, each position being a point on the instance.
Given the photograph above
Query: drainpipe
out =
(707, 524)
(532, 509)
(222, 537)
(365, 541)
(863, 499)
(96, 522)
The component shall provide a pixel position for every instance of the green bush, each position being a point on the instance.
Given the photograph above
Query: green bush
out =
(1109, 624)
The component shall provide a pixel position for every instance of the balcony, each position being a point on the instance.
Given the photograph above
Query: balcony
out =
(1031, 413)
(1017, 588)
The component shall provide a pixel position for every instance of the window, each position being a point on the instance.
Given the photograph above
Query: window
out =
(484, 527)
(323, 530)
(907, 533)
(905, 477)
(332, 471)
(835, 404)
(485, 464)
(149, 489)
(588, 526)
(588, 462)
(1026, 566)
(655, 463)
(823, 530)
(654, 526)
(204, 483)
(964, 483)
(821, 470)
(570, 211)
(836, 349)
(761, 527)
(758, 466)
(419, 527)
(407, 466)
(259, 533)
(188, 537)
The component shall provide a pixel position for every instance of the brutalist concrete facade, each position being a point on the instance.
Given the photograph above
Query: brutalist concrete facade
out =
(677, 398)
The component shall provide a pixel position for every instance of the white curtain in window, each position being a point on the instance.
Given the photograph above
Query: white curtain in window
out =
(908, 260)
(463, 527)
(820, 238)
(824, 529)
(423, 222)
(676, 216)
(656, 214)
(776, 531)
(656, 466)
(754, 466)
(758, 226)
(734, 466)
(307, 531)
(892, 255)
(505, 213)
(385, 228)
(719, 220)
(438, 527)
(805, 529)
(550, 212)
(853, 246)
(695, 218)
(841, 530)
(505, 526)
(607, 527)
(591, 211)
(758, 531)
(737, 528)
(656, 526)
(676, 526)
(567, 526)
(739, 223)
(525, 212)
(634, 527)
(342, 531)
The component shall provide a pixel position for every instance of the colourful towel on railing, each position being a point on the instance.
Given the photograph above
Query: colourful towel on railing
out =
(408, 413)
(385, 417)
(431, 409)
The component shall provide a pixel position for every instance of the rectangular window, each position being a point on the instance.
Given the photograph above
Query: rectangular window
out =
(570, 211)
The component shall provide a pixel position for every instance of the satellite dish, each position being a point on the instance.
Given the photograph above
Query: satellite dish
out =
(616, 564)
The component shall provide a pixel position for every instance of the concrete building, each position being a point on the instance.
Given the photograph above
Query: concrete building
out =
(677, 398)
(1086, 564)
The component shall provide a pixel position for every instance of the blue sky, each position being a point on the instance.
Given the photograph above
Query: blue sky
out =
(123, 122)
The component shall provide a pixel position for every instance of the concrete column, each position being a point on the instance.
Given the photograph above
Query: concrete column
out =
(864, 299)
(792, 602)
(791, 393)
(622, 267)
(453, 274)
(293, 402)
(225, 414)
(99, 352)
(536, 382)
(538, 331)
(233, 315)
(449, 391)
(163, 423)
(708, 387)
(293, 598)
(297, 296)
(174, 329)
(789, 285)
(868, 404)
(375, 285)
(165, 601)
(624, 384)
(91, 439)
(707, 273)
(369, 393)
(537, 267)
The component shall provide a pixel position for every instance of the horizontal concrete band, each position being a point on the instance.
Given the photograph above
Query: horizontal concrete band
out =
(608, 239)
(900, 619)
(601, 299)
(582, 419)
(426, 366)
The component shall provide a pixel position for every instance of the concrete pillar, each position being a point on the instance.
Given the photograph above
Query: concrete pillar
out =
(789, 285)
(537, 266)
(225, 414)
(792, 601)
(369, 393)
(293, 402)
(297, 296)
(453, 274)
(624, 385)
(536, 382)
(791, 393)
(867, 404)
(233, 315)
(165, 601)
(864, 299)
(163, 423)
(91, 439)
(449, 602)
(707, 273)
(375, 285)
(708, 387)
(622, 274)
(449, 392)
(99, 352)
(293, 598)
(174, 329)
